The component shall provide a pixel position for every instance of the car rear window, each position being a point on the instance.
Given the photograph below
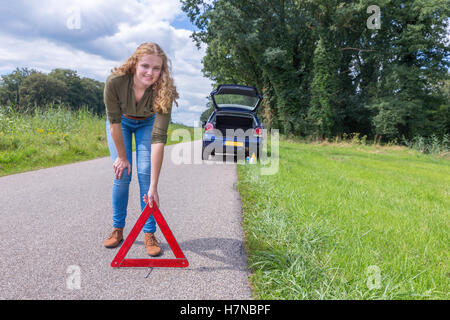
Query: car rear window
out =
(230, 100)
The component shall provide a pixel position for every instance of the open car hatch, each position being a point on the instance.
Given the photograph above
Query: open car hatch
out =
(232, 97)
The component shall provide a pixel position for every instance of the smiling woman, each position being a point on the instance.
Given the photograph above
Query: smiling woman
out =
(138, 65)
(147, 71)
(138, 97)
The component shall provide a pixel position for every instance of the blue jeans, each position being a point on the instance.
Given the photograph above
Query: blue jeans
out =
(142, 130)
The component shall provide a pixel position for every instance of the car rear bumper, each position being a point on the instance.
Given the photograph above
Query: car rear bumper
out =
(228, 145)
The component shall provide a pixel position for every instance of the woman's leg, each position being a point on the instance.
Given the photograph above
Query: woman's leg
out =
(143, 162)
(121, 186)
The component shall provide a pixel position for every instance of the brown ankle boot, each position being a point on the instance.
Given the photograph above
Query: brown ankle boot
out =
(152, 245)
(114, 239)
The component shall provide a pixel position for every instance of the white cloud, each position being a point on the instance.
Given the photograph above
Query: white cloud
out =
(44, 55)
(35, 35)
(196, 108)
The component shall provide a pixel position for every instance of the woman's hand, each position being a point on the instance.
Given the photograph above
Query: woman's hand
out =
(152, 196)
(120, 165)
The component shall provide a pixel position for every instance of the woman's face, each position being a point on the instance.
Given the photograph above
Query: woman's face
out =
(148, 70)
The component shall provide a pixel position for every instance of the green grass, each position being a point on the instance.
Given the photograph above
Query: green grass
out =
(342, 221)
(53, 136)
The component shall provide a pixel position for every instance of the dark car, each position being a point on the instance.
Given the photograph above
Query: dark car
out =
(233, 127)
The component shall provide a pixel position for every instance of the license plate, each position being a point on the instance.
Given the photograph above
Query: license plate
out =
(234, 143)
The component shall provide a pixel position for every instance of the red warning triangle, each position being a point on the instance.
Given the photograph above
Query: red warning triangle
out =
(180, 260)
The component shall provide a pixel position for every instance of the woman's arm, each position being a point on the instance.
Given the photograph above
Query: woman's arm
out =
(158, 140)
(156, 163)
(121, 163)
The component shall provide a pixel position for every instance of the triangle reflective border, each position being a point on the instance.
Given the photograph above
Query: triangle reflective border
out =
(180, 260)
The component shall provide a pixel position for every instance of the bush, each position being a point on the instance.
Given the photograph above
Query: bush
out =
(429, 145)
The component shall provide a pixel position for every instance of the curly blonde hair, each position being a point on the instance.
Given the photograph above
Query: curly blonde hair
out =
(164, 89)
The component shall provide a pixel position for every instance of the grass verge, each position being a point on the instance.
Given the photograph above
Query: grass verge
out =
(53, 136)
(343, 221)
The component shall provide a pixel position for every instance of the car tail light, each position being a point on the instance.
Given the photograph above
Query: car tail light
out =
(257, 132)
(209, 126)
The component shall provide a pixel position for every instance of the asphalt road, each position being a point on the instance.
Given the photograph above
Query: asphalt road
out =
(53, 223)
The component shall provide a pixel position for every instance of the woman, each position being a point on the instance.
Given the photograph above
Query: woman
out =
(138, 97)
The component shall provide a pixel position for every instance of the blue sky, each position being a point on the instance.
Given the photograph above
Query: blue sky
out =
(93, 36)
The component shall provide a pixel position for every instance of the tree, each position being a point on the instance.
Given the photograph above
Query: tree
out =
(323, 71)
(324, 90)
(72, 93)
(25, 88)
(10, 84)
(256, 43)
(92, 95)
(39, 89)
(413, 66)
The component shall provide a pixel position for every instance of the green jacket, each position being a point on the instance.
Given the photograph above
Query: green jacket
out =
(119, 99)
